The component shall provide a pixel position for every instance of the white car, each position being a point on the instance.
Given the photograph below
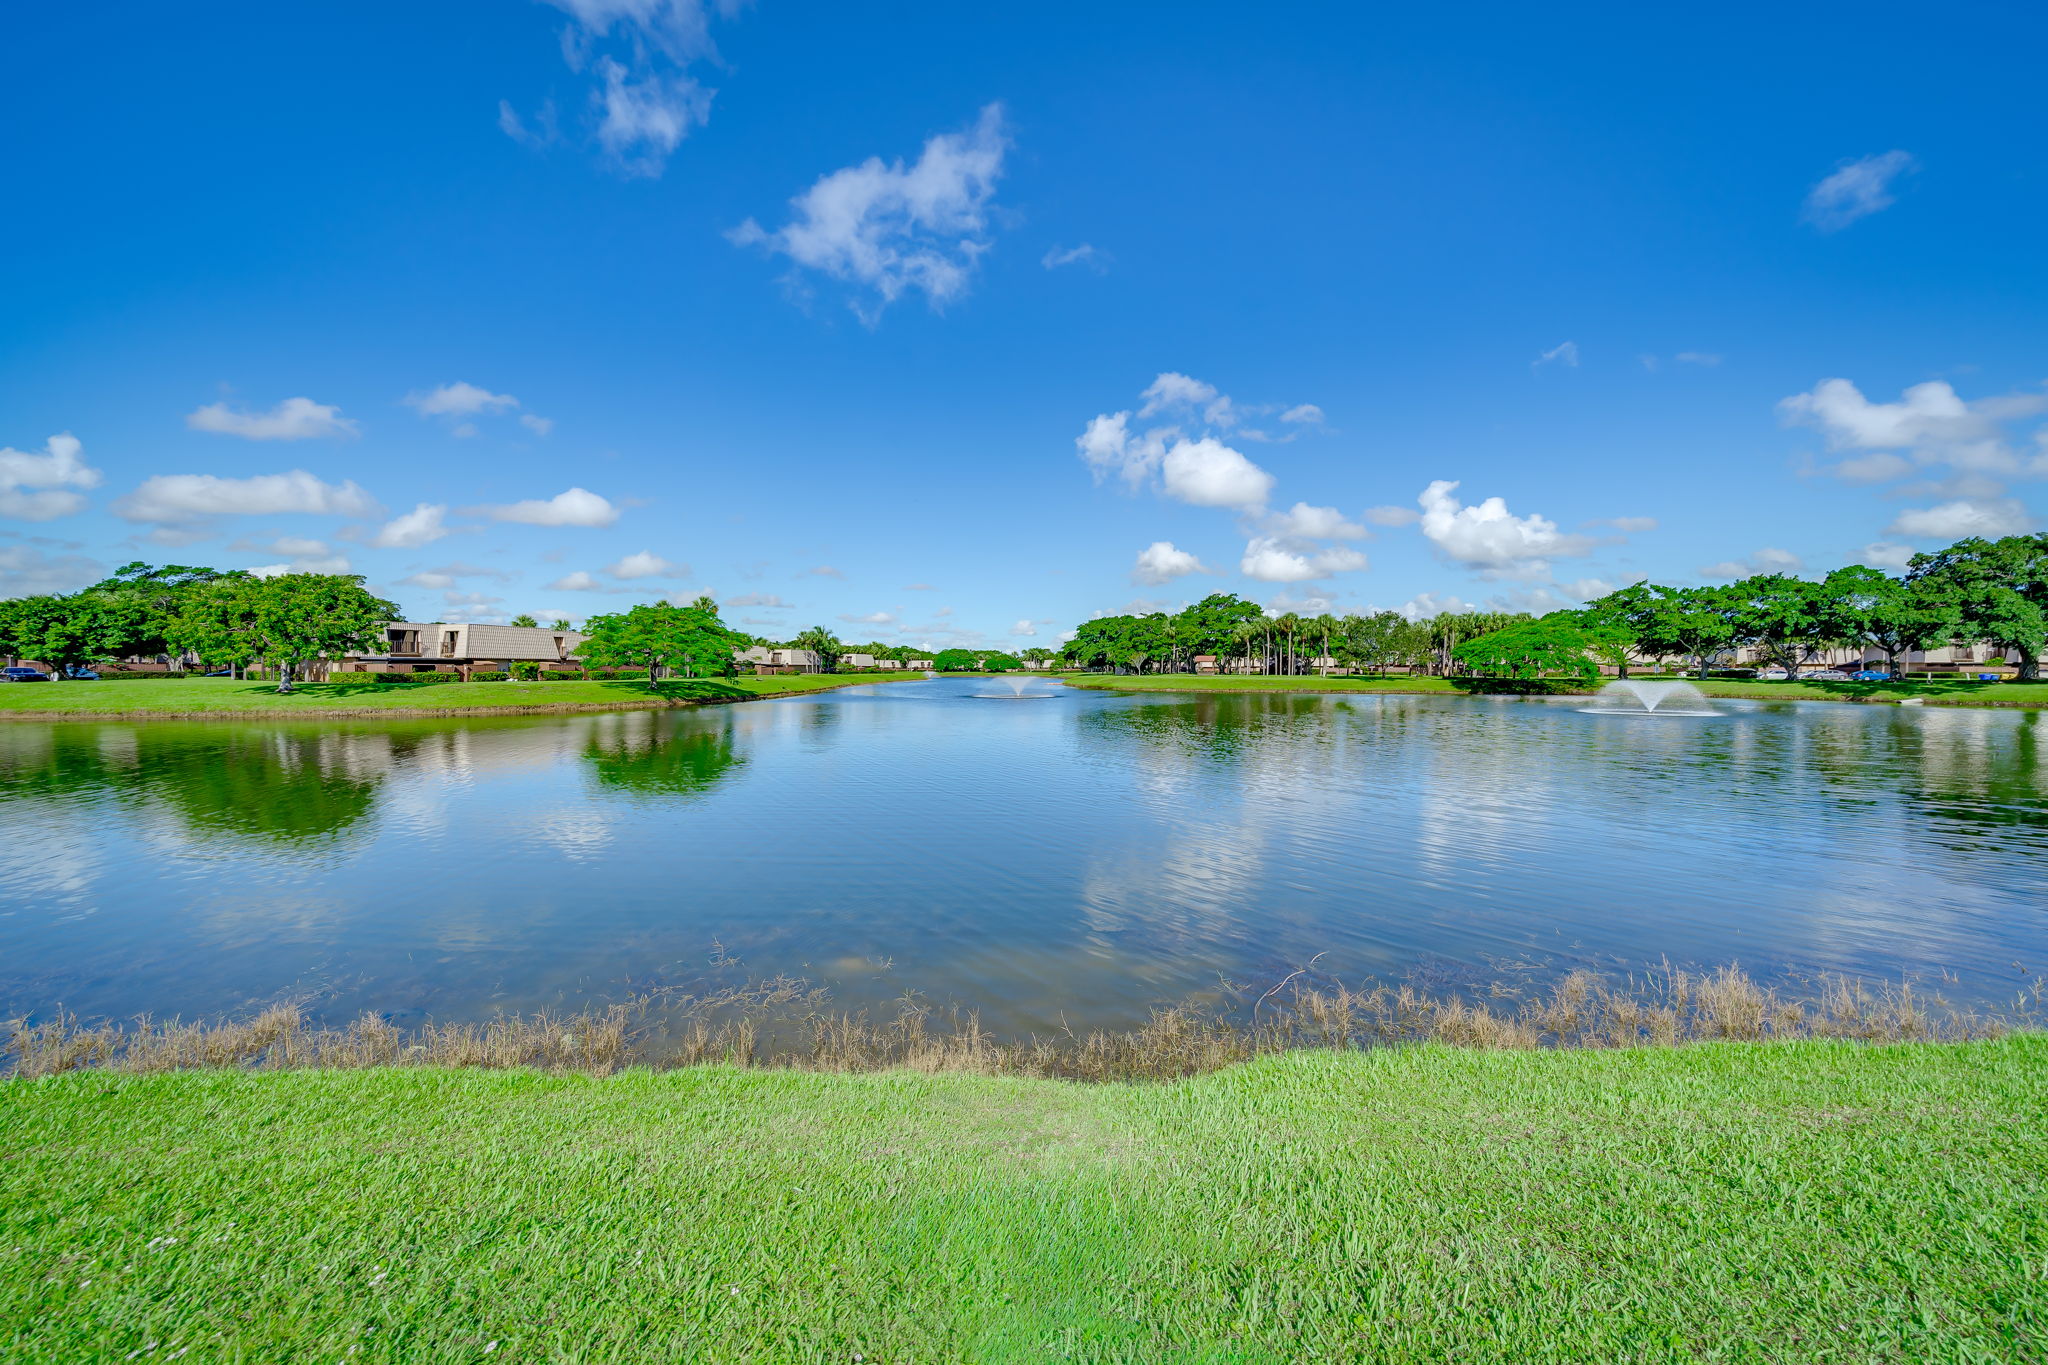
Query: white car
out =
(1826, 675)
(1771, 675)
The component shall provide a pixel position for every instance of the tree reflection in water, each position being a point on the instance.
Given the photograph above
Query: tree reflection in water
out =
(290, 785)
(649, 754)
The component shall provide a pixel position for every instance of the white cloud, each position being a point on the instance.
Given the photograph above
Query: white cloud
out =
(481, 608)
(1856, 189)
(538, 425)
(26, 571)
(1931, 423)
(183, 499)
(1092, 257)
(1392, 516)
(462, 431)
(1964, 517)
(1024, 629)
(645, 101)
(459, 399)
(575, 507)
(1207, 473)
(1625, 525)
(644, 116)
(543, 132)
(1880, 466)
(873, 618)
(1881, 554)
(304, 555)
(1109, 448)
(1304, 604)
(579, 581)
(445, 576)
(1427, 604)
(1340, 559)
(421, 526)
(821, 571)
(1565, 353)
(645, 564)
(887, 228)
(1489, 538)
(756, 599)
(1173, 391)
(295, 419)
(1303, 412)
(1271, 560)
(36, 487)
(1163, 561)
(1764, 561)
(1303, 522)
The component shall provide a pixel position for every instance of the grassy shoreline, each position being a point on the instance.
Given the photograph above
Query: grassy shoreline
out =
(1808, 1200)
(1941, 693)
(228, 699)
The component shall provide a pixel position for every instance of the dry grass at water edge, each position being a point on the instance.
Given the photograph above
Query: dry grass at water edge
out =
(791, 1024)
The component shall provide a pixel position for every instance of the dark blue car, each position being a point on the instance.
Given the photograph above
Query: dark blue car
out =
(24, 675)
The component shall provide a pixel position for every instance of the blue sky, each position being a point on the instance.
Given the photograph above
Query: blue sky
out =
(959, 324)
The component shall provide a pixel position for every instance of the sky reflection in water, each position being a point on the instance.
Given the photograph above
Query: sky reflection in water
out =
(1076, 859)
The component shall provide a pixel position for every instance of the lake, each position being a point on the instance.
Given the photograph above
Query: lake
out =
(1069, 858)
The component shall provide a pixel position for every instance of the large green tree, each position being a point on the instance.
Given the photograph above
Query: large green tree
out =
(658, 636)
(1787, 619)
(1531, 649)
(286, 621)
(1999, 589)
(141, 601)
(63, 632)
(1892, 614)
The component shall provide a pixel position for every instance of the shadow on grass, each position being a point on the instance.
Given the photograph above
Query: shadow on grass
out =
(672, 689)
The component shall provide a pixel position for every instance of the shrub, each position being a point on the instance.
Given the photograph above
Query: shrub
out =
(409, 679)
(526, 672)
(615, 674)
(488, 677)
(563, 675)
(105, 676)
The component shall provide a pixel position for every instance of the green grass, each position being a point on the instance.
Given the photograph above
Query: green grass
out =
(1731, 1202)
(226, 696)
(1944, 692)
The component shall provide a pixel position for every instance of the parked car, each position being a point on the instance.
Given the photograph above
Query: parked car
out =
(1772, 675)
(219, 673)
(1827, 675)
(82, 675)
(24, 675)
(1871, 675)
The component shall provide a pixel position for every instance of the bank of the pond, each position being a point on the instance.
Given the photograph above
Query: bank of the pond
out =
(1935, 693)
(227, 698)
(1810, 1201)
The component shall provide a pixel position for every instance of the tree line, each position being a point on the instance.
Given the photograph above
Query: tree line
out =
(231, 619)
(1977, 591)
(226, 618)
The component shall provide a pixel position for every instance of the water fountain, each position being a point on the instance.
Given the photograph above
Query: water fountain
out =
(1017, 691)
(1652, 697)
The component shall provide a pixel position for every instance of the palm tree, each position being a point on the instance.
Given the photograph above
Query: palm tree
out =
(1289, 626)
(822, 643)
(1247, 634)
(524, 618)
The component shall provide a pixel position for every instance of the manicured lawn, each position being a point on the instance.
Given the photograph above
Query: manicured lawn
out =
(213, 696)
(1940, 693)
(1738, 1202)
